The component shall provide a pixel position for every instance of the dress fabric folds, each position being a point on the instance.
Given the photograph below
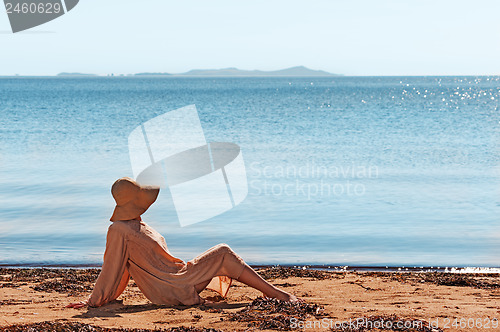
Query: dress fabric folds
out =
(134, 249)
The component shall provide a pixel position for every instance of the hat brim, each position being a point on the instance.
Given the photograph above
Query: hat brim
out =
(137, 206)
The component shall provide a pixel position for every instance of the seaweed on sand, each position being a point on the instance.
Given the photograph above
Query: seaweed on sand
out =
(267, 313)
(476, 280)
(50, 280)
(82, 327)
(279, 272)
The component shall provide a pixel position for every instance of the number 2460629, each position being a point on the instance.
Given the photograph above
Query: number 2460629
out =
(33, 8)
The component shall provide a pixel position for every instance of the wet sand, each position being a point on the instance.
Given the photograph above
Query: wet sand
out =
(35, 299)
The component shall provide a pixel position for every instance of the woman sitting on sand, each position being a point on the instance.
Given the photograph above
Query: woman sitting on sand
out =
(135, 249)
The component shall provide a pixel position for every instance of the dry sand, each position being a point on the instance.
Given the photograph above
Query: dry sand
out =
(450, 300)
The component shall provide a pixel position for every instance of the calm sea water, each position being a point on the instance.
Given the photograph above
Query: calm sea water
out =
(347, 170)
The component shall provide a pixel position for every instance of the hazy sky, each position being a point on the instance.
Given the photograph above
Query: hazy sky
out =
(352, 37)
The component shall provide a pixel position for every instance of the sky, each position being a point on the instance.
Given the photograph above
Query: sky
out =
(356, 37)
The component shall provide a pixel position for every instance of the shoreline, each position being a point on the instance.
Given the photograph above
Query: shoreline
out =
(34, 299)
(322, 267)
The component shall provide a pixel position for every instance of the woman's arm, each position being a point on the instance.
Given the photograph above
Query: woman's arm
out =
(114, 275)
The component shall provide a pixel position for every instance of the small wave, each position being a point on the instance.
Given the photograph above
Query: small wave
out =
(473, 270)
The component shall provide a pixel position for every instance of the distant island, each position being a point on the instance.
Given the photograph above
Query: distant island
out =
(299, 71)
(293, 71)
(75, 74)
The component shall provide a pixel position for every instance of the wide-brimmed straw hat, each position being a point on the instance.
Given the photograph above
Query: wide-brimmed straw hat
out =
(132, 199)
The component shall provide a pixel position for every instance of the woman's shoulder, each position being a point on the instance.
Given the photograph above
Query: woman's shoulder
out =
(137, 228)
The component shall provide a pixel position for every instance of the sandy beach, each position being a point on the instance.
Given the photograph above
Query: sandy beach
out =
(35, 299)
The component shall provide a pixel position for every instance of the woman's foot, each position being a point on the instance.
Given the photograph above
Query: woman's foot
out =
(292, 298)
(285, 296)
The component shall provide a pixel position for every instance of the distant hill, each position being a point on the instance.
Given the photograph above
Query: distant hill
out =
(294, 71)
(153, 74)
(75, 74)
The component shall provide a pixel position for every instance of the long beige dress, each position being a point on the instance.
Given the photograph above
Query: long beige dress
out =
(135, 249)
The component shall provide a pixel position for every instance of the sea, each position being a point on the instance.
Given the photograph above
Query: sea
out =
(341, 171)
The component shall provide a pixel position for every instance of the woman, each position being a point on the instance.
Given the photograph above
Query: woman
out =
(135, 249)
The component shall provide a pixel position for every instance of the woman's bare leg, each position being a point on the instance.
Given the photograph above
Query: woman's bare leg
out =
(250, 278)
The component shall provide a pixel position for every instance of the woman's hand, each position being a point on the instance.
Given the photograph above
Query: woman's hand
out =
(78, 305)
